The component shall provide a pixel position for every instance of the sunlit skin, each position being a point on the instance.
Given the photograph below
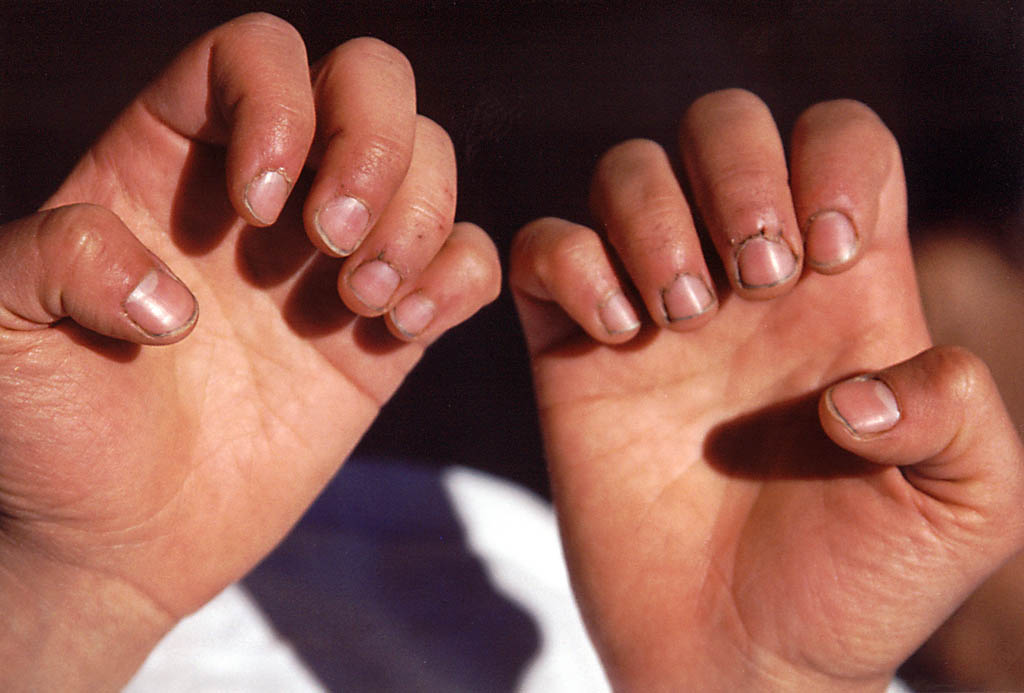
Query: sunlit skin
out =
(717, 538)
(139, 479)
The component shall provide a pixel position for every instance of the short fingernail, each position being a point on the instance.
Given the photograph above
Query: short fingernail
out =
(687, 297)
(374, 283)
(412, 314)
(342, 224)
(762, 262)
(617, 315)
(160, 304)
(266, 194)
(866, 405)
(831, 239)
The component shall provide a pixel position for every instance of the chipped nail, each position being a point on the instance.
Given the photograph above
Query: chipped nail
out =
(266, 194)
(686, 297)
(762, 262)
(342, 224)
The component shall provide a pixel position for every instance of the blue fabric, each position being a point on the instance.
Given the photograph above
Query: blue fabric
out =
(377, 591)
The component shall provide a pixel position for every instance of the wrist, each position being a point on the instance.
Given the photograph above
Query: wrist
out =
(70, 629)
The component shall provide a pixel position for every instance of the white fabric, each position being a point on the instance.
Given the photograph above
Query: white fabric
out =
(225, 647)
(526, 565)
(229, 645)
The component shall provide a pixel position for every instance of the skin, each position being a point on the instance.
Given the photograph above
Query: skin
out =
(724, 528)
(141, 473)
(960, 268)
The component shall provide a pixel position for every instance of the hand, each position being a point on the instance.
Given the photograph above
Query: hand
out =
(734, 519)
(138, 481)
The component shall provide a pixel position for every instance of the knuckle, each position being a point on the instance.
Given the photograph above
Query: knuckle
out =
(850, 122)
(528, 241)
(384, 155)
(962, 375)
(77, 225)
(431, 216)
(624, 162)
(570, 248)
(722, 102)
(744, 186)
(481, 270)
(264, 23)
(431, 135)
(653, 232)
(545, 250)
(375, 52)
(73, 239)
(523, 242)
(629, 153)
(292, 126)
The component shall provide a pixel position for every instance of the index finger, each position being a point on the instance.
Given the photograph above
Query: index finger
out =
(245, 85)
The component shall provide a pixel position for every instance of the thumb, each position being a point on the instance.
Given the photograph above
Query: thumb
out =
(939, 416)
(83, 263)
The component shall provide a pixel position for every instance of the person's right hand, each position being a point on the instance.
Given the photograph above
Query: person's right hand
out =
(143, 468)
(772, 482)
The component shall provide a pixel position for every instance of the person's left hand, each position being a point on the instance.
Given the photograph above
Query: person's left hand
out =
(742, 510)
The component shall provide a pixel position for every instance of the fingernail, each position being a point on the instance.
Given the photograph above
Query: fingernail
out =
(687, 297)
(160, 304)
(342, 224)
(617, 315)
(831, 239)
(266, 194)
(866, 405)
(412, 314)
(373, 283)
(762, 262)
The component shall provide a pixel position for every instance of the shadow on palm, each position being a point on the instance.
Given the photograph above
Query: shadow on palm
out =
(783, 441)
(279, 260)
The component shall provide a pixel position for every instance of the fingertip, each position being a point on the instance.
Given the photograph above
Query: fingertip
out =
(162, 307)
(736, 164)
(365, 95)
(463, 277)
(341, 225)
(618, 318)
(688, 303)
(766, 266)
(412, 315)
(564, 282)
(847, 183)
(368, 288)
(865, 406)
(261, 84)
(831, 242)
(265, 195)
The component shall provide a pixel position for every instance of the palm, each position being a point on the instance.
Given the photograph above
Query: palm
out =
(216, 443)
(699, 457)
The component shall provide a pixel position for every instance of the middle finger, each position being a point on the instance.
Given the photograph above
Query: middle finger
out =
(736, 164)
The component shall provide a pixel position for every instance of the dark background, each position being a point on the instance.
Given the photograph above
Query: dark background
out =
(532, 93)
